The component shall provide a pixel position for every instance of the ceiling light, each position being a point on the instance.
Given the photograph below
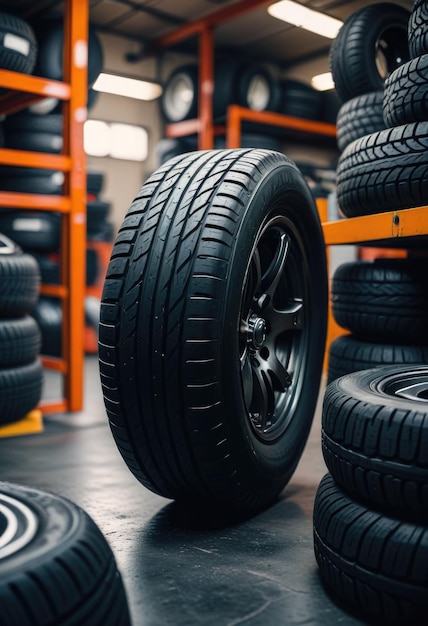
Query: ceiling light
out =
(301, 16)
(128, 87)
(323, 82)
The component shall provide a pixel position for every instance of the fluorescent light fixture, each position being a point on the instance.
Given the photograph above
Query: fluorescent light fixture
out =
(127, 87)
(323, 82)
(115, 140)
(301, 16)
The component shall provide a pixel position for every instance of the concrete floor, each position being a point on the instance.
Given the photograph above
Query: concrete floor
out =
(179, 569)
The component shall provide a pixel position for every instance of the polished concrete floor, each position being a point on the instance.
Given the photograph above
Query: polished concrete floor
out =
(179, 569)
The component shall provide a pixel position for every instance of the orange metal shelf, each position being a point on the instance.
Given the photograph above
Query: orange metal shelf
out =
(21, 90)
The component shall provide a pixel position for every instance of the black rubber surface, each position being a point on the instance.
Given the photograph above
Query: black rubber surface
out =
(359, 116)
(48, 314)
(383, 300)
(375, 443)
(34, 231)
(20, 341)
(20, 390)
(18, 47)
(418, 29)
(19, 283)
(406, 93)
(375, 565)
(384, 171)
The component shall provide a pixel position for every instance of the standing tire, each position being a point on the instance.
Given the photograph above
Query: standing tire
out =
(18, 47)
(216, 297)
(179, 100)
(384, 300)
(20, 390)
(406, 93)
(384, 171)
(375, 564)
(375, 438)
(48, 538)
(359, 116)
(19, 280)
(418, 29)
(371, 43)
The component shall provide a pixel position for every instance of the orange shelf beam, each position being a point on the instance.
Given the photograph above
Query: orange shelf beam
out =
(22, 158)
(55, 291)
(54, 363)
(19, 200)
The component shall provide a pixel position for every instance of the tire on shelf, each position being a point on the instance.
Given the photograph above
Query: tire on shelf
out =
(169, 148)
(19, 280)
(97, 211)
(20, 341)
(384, 171)
(418, 29)
(375, 437)
(33, 231)
(371, 43)
(31, 180)
(34, 141)
(216, 292)
(47, 537)
(20, 390)
(406, 93)
(374, 564)
(94, 182)
(179, 99)
(23, 121)
(18, 46)
(48, 314)
(256, 88)
(383, 300)
(300, 99)
(252, 140)
(348, 354)
(359, 116)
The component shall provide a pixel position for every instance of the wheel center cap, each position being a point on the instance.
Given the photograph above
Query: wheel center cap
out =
(256, 331)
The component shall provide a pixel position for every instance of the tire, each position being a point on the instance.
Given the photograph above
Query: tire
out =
(371, 43)
(169, 148)
(300, 100)
(359, 116)
(375, 564)
(94, 182)
(26, 121)
(375, 438)
(418, 29)
(34, 142)
(48, 315)
(256, 88)
(205, 430)
(18, 47)
(19, 280)
(34, 231)
(349, 354)
(406, 93)
(51, 538)
(330, 105)
(20, 390)
(251, 140)
(384, 300)
(20, 341)
(97, 213)
(179, 100)
(384, 171)
(50, 37)
(31, 180)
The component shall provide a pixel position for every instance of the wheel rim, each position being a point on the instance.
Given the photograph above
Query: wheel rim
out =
(258, 93)
(408, 385)
(272, 340)
(18, 525)
(391, 50)
(179, 97)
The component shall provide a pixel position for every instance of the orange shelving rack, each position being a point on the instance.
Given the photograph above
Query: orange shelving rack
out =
(22, 90)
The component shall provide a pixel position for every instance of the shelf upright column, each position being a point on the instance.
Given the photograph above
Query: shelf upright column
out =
(73, 237)
(206, 88)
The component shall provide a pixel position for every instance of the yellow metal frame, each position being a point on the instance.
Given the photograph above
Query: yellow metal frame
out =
(23, 90)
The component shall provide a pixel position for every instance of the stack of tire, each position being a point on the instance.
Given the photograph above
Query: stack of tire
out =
(382, 303)
(21, 372)
(371, 509)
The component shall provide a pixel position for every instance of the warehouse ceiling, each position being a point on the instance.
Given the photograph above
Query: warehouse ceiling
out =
(255, 32)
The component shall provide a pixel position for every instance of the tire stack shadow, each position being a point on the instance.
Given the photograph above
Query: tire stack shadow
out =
(371, 511)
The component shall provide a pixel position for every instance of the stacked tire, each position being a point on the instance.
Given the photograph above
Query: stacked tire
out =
(371, 510)
(21, 372)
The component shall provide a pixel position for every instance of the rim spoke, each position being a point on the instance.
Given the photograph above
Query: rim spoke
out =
(271, 278)
(277, 373)
(284, 319)
(263, 398)
(247, 379)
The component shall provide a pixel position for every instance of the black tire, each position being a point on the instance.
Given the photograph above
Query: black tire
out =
(418, 29)
(20, 390)
(18, 47)
(300, 100)
(251, 140)
(179, 100)
(26, 121)
(94, 182)
(51, 538)
(375, 564)
(406, 93)
(350, 354)
(48, 314)
(371, 43)
(104, 232)
(97, 213)
(384, 171)
(19, 280)
(375, 438)
(213, 239)
(20, 341)
(256, 88)
(31, 180)
(34, 231)
(330, 105)
(50, 38)
(34, 142)
(168, 148)
(386, 300)
(92, 266)
(359, 116)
